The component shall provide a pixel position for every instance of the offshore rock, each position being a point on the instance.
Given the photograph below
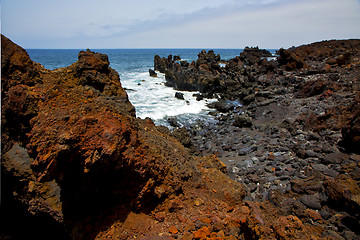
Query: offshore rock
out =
(152, 73)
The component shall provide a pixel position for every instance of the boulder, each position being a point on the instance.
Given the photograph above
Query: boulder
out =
(179, 95)
(243, 121)
(222, 106)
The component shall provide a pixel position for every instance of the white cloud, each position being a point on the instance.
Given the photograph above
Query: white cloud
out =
(186, 23)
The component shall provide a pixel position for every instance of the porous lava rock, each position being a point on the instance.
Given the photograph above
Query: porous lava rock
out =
(78, 164)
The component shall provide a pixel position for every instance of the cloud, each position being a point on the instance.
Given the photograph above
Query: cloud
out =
(186, 23)
(271, 26)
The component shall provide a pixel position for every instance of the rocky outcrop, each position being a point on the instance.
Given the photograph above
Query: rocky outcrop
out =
(235, 80)
(78, 164)
(290, 60)
(253, 55)
(202, 75)
(295, 142)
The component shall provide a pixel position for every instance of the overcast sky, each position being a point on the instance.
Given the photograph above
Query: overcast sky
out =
(177, 23)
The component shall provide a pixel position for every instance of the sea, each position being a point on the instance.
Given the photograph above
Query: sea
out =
(149, 95)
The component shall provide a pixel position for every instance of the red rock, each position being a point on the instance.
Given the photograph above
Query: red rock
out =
(202, 233)
(160, 216)
(173, 230)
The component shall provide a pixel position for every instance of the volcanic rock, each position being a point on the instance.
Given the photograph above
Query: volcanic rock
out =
(79, 164)
(76, 159)
(152, 73)
(179, 95)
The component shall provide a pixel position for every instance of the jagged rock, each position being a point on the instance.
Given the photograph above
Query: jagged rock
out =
(159, 64)
(152, 73)
(253, 55)
(117, 176)
(179, 95)
(222, 106)
(290, 60)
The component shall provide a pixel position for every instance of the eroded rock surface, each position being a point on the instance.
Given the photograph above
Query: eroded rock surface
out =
(78, 164)
(295, 140)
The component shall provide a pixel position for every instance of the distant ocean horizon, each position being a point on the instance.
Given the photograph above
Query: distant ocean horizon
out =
(150, 97)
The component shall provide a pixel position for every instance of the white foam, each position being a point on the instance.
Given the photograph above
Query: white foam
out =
(151, 98)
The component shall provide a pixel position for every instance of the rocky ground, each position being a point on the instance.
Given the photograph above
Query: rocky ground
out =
(77, 164)
(295, 142)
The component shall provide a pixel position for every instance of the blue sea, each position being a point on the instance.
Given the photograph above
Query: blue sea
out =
(150, 97)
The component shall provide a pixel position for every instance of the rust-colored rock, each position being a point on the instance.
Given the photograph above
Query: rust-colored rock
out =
(202, 233)
(77, 154)
(80, 165)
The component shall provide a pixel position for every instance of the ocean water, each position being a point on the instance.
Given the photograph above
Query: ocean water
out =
(150, 97)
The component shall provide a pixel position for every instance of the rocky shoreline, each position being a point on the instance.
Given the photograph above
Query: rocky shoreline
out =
(77, 163)
(295, 141)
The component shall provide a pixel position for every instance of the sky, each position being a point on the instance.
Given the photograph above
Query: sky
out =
(99, 24)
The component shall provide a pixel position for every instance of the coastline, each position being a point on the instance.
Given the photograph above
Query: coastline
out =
(74, 151)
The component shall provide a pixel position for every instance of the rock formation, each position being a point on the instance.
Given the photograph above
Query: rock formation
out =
(295, 142)
(78, 164)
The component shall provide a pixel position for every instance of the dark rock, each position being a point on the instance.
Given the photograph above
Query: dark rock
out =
(90, 61)
(351, 131)
(245, 164)
(290, 60)
(222, 106)
(312, 88)
(152, 73)
(182, 135)
(248, 99)
(325, 170)
(306, 186)
(160, 64)
(325, 214)
(253, 55)
(310, 153)
(173, 121)
(243, 121)
(334, 158)
(179, 95)
(340, 60)
(199, 97)
(184, 64)
(311, 201)
(245, 151)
